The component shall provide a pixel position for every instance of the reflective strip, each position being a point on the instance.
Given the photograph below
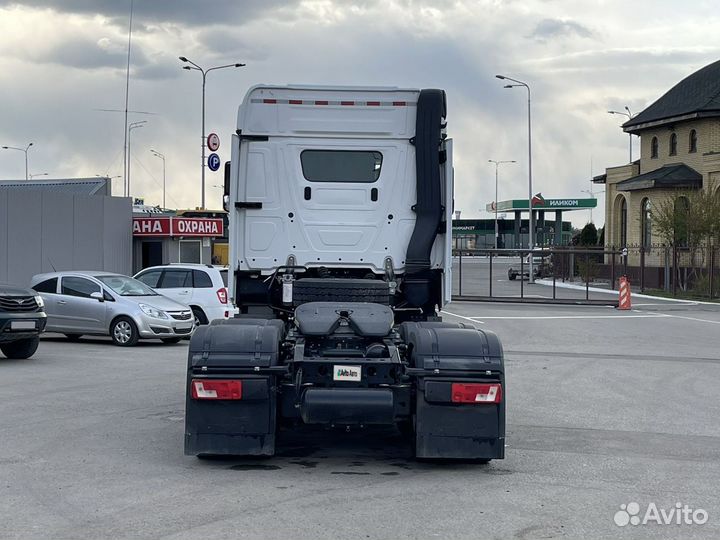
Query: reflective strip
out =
(323, 102)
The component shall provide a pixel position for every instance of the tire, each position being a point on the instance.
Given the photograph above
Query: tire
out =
(20, 349)
(124, 332)
(170, 340)
(73, 337)
(199, 314)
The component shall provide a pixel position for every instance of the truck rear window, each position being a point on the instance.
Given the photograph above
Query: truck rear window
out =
(362, 166)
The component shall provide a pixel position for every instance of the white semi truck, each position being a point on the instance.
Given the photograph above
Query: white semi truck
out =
(340, 203)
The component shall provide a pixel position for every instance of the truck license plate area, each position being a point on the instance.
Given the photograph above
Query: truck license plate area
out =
(347, 373)
(22, 325)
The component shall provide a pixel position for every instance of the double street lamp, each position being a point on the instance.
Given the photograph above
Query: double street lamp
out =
(531, 225)
(161, 156)
(21, 150)
(629, 116)
(497, 164)
(204, 73)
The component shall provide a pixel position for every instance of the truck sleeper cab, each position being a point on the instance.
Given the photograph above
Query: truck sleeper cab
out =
(340, 204)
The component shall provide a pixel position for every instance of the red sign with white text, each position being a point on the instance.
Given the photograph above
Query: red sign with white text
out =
(196, 227)
(177, 226)
(151, 226)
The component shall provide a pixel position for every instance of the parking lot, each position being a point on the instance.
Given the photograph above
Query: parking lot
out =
(604, 408)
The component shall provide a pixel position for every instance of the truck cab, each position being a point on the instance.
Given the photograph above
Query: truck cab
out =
(324, 183)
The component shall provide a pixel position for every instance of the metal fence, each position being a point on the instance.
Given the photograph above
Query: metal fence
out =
(585, 275)
(569, 275)
(687, 272)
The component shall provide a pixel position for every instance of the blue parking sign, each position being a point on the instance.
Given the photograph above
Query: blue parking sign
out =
(213, 162)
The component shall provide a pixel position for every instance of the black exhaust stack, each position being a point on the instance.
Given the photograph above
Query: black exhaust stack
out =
(418, 282)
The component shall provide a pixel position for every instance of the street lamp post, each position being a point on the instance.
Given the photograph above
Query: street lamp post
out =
(21, 150)
(133, 125)
(204, 73)
(161, 156)
(531, 226)
(629, 116)
(593, 195)
(497, 164)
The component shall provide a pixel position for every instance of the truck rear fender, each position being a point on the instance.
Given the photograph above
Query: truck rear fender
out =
(445, 357)
(243, 354)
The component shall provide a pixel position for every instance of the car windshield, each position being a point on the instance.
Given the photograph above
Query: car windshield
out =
(127, 286)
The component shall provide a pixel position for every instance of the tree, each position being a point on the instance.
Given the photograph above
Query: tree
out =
(587, 264)
(588, 236)
(690, 220)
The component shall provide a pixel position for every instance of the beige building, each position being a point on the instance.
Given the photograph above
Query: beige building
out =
(679, 149)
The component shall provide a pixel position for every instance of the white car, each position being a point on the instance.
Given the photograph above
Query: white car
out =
(203, 287)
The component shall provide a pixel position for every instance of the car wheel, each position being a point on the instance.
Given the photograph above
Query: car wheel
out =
(170, 340)
(124, 332)
(73, 337)
(199, 315)
(20, 349)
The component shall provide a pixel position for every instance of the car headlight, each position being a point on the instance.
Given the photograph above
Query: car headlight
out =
(153, 311)
(39, 301)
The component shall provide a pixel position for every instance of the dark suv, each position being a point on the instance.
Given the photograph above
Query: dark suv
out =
(22, 318)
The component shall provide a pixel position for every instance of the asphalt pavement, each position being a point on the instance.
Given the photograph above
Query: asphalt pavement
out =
(605, 408)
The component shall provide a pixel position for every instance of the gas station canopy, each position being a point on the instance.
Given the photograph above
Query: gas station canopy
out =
(539, 203)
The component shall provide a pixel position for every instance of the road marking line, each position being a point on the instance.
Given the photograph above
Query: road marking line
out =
(462, 317)
(689, 318)
(618, 316)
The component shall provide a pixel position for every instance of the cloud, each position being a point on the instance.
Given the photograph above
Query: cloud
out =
(85, 54)
(548, 29)
(186, 12)
(580, 60)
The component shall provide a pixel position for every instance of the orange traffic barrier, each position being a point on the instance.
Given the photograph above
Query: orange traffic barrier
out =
(624, 302)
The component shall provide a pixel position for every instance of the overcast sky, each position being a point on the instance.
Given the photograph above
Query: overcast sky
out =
(63, 60)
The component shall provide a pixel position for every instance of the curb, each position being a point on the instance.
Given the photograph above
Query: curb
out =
(561, 285)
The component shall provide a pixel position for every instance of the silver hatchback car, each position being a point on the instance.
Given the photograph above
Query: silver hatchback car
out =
(101, 303)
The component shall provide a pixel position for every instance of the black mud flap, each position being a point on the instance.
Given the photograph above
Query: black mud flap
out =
(245, 427)
(456, 365)
(457, 431)
(239, 354)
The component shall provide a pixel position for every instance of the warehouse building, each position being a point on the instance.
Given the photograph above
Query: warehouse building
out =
(62, 224)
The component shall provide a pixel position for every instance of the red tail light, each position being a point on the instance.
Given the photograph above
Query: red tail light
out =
(476, 393)
(216, 389)
(222, 295)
